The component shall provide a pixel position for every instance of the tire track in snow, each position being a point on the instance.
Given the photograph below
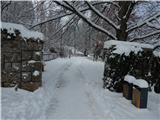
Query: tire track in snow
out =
(95, 100)
(73, 102)
(61, 82)
(96, 113)
(51, 108)
(71, 89)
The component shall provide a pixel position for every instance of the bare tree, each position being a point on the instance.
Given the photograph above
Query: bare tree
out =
(107, 20)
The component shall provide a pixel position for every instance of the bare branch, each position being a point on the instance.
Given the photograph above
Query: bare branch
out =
(90, 22)
(155, 26)
(158, 46)
(101, 15)
(5, 5)
(65, 14)
(65, 6)
(64, 25)
(146, 36)
(143, 22)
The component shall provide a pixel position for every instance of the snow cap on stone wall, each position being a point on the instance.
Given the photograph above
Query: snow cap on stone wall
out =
(25, 33)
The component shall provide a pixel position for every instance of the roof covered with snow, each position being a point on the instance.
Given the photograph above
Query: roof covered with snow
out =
(25, 33)
(126, 47)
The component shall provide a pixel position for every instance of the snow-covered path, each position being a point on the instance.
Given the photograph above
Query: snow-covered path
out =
(72, 89)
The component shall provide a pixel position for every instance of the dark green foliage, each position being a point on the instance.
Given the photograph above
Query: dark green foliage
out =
(156, 74)
(143, 65)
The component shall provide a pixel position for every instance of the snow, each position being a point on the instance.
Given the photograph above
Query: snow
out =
(36, 73)
(157, 26)
(138, 82)
(25, 33)
(72, 89)
(9, 37)
(129, 78)
(73, 50)
(31, 61)
(142, 22)
(126, 47)
(141, 83)
(92, 23)
(156, 53)
(38, 53)
(156, 32)
(102, 16)
(64, 20)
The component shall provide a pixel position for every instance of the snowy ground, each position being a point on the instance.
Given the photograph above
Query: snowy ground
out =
(72, 89)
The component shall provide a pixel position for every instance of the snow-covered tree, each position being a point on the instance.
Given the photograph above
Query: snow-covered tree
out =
(21, 12)
(95, 20)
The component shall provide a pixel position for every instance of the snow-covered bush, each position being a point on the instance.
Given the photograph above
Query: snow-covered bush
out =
(132, 58)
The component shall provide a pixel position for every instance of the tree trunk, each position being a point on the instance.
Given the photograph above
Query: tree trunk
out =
(126, 8)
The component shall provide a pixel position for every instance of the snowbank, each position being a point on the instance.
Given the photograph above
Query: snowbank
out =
(25, 33)
(126, 47)
(141, 83)
(79, 95)
(129, 78)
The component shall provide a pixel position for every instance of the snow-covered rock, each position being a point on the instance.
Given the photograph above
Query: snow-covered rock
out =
(129, 78)
(141, 83)
(25, 33)
(126, 47)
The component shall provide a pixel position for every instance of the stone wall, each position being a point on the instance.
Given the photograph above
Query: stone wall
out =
(21, 60)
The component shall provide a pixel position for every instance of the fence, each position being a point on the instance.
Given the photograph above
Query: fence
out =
(49, 56)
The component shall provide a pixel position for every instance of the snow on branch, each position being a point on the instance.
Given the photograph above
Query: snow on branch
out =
(54, 18)
(65, 14)
(156, 26)
(65, 6)
(145, 36)
(129, 10)
(5, 5)
(102, 16)
(157, 46)
(115, 4)
(141, 23)
(67, 24)
(97, 27)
